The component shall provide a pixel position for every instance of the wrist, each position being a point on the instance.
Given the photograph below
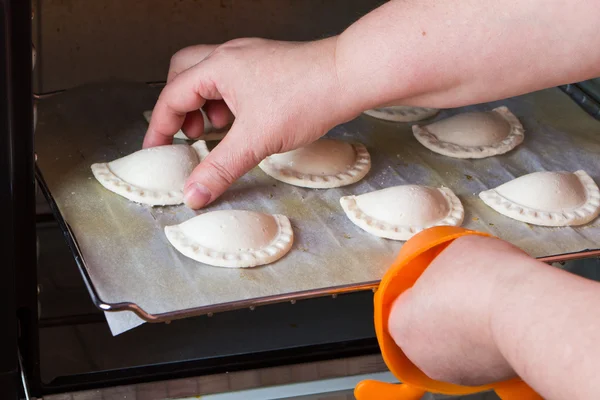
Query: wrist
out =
(516, 295)
(337, 106)
(508, 300)
(443, 323)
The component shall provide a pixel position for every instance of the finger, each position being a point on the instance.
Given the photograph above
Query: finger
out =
(218, 113)
(188, 57)
(232, 158)
(185, 93)
(193, 125)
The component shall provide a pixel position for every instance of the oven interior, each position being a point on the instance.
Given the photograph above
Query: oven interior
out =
(104, 46)
(80, 43)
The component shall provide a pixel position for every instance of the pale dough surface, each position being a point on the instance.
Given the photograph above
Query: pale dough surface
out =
(402, 113)
(476, 134)
(323, 164)
(153, 176)
(233, 238)
(209, 130)
(399, 212)
(547, 198)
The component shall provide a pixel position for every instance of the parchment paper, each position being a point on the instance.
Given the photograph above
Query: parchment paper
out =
(129, 258)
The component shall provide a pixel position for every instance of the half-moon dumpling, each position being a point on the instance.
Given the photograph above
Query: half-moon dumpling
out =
(547, 198)
(210, 132)
(326, 163)
(153, 176)
(399, 212)
(402, 113)
(472, 134)
(233, 238)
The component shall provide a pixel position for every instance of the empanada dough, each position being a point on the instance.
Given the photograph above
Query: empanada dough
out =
(233, 238)
(547, 198)
(399, 212)
(472, 134)
(326, 163)
(402, 113)
(153, 176)
(210, 132)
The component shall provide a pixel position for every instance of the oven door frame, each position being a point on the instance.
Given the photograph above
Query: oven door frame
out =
(18, 277)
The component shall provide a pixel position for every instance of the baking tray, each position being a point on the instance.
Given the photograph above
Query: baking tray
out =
(128, 265)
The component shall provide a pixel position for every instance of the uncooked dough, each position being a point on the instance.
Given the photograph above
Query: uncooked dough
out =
(233, 238)
(402, 113)
(472, 134)
(399, 212)
(153, 176)
(547, 198)
(210, 132)
(326, 163)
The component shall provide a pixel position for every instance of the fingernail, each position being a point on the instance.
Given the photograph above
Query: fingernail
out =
(196, 196)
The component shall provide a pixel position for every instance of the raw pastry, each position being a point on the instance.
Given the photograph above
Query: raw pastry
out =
(326, 163)
(399, 212)
(472, 134)
(153, 176)
(210, 132)
(233, 238)
(547, 198)
(402, 113)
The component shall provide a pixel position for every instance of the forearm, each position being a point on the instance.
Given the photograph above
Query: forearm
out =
(453, 53)
(546, 323)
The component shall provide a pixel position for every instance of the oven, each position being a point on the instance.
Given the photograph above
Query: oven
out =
(80, 314)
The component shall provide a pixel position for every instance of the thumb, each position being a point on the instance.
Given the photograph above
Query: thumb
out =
(235, 155)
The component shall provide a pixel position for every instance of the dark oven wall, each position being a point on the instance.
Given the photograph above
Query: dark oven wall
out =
(86, 41)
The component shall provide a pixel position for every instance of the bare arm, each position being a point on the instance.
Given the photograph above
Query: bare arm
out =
(484, 311)
(415, 52)
(455, 53)
(546, 324)
(499, 311)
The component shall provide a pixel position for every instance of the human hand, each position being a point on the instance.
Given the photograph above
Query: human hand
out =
(216, 110)
(283, 95)
(444, 323)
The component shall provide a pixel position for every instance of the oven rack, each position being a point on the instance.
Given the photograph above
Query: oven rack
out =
(586, 94)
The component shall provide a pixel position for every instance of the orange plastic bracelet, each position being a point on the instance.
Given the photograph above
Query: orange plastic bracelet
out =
(414, 257)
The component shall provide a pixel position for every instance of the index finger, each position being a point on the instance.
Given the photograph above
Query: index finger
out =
(187, 58)
(178, 97)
